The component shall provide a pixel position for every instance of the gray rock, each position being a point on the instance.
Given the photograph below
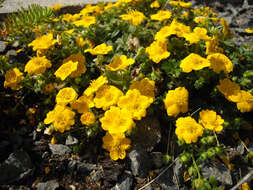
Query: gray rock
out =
(85, 168)
(157, 158)
(19, 187)
(219, 170)
(172, 177)
(96, 175)
(11, 53)
(10, 6)
(2, 46)
(125, 184)
(149, 187)
(49, 185)
(16, 167)
(147, 133)
(140, 162)
(59, 149)
(71, 140)
(72, 166)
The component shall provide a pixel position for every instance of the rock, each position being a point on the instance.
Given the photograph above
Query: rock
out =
(11, 53)
(59, 149)
(71, 140)
(172, 177)
(147, 133)
(85, 168)
(140, 162)
(219, 170)
(19, 187)
(125, 184)
(157, 158)
(10, 6)
(96, 175)
(49, 185)
(5, 146)
(72, 166)
(2, 46)
(16, 167)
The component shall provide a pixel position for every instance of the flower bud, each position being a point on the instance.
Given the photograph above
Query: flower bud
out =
(166, 158)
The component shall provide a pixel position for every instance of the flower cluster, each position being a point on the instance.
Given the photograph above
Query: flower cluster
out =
(189, 130)
(106, 68)
(232, 92)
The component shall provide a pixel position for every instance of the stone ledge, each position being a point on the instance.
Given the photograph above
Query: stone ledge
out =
(9, 6)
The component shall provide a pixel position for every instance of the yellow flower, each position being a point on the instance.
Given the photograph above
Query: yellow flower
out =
(81, 104)
(197, 35)
(155, 4)
(175, 28)
(66, 95)
(107, 96)
(53, 141)
(158, 51)
(134, 17)
(86, 21)
(81, 68)
(117, 145)
(180, 3)
(66, 69)
(117, 120)
(49, 88)
(212, 46)
(135, 103)
(210, 120)
(229, 89)
(43, 43)
(161, 15)
(245, 103)
(87, 118)
(163, 33)
(176, 101)
(244, 186)
(37, 65)
(248, 30)
(67, 17)
(12, 78)
(95, 85)
(62, 118)
(119, 63)
(200, 19)
(145, 86)
(69, 31)
(91, 9)
(179, 29)
(101, 49)
(188, 129)
(219, 62)
(193, 62)
(56, 7)
(80, 42)
(225, 26)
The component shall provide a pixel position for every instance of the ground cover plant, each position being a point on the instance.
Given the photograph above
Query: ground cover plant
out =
(101, 71)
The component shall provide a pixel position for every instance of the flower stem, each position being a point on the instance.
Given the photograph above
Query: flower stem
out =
(195, 165)
(218, 143)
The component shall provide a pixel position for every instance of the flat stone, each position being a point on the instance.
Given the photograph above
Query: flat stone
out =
(59, 149)
(9, 6)
(85, 168)
(125, 184)
(219, 170)
(140, 162)
(49, 185)
(71, 140)
(15, 168)
(2, 46)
